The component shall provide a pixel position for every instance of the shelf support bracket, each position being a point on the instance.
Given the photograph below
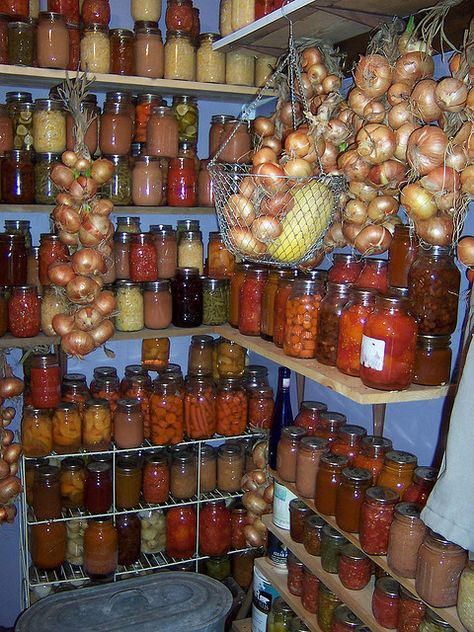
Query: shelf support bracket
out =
(378, 418)
(300, 386)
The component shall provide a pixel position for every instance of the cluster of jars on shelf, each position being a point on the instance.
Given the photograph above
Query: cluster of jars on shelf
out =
(386, 321)
(68, 37)
(369, 489)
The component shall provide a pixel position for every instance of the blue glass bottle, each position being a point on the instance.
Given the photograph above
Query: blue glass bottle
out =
(282, 414)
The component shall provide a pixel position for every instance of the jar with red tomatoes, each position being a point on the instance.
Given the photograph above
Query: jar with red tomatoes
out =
(372, 454)
(388, 346)
(45, 381)
(386, 602)
(295, 575)
(182, 182)
(250, 303)
(333, 303)
(215, 529)
(376, 516)
(17, 9)
(68, 8)
(156, 478)
(354, 568)
(309, 415)
(263, 7)
(143, 259)
(411, 612)
(236, 282)
(24, 312)
(374, 276)
(350, 496)
(96, 12)
(344, 269)
(353, 318)
(424, 479)
(329, 425)
(181, 532)
(179, 15)
(348, 441)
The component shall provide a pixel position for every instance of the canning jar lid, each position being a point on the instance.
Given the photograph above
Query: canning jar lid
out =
(400, 457)
(352, 552)
(183, 455)
(68, 406)
(294, 433)
(430, 340)
(332, 533)
(298, 505)
(388, 586)
(121, 32)
(74, 377)
(313, 406)
(19, 97)
(105, 371)
(357, 474)
(207, 452)
(437, 620)
(382, 495)
(440, 539)
(187, 272)
(344, 615)
(315, 522)
(211, 37)
(334, 460)
(97, 403)
(72, 463)
(47, 472)
(380, 445)
(98, 467)
(316, 444)
(292, 559)
(229, 449)
(213, 284)
(229, 383)
(312, 275)
(123, 283)
(337, 419)
(201, 341)
(352, 431)
(408, 510)
(424, 474)
(281, 607)
(255, 370)
(129, 405)
(347, 258)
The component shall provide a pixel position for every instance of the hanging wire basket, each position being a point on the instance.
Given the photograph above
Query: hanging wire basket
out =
(275, 219)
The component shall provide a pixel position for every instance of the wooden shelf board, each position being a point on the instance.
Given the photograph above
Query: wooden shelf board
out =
(329, 376)
(448, 614)
(279, 579)
(242, 625)
(118, 210)
(334, 20)
(27, 77)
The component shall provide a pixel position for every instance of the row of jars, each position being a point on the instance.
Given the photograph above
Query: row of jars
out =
(155, 477)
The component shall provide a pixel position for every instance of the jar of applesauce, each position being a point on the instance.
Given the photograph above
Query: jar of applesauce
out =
(147, 185)
(52, 41)
(162, 133)
(149, 51)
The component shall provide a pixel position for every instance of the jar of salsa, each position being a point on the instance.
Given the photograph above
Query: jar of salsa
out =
(128, 481)
(98, 487)
(52, 250)
(122, 58)
(46, 493)
(186, 292)
(302, 313)
(329, 425)
(215, 531)
(181, 532)
(238, 521)
(18, 185)
(388, 346)
(332, 543)
(179, 15)
(182, 182)
(143, 259)
(351, 325)
(14, 258)
(344, 620)
(309, 596)
(327, 481)
(312, 534)
(433, 282)
(295, 575)
(166, 412)
(48, 545)
(100, 548)
(386, 602)
(372, 453)
(411, 612)
(24, 312)
(397, 471)
(286, 452)
(236, 282)
(406, 536)
(376, 516)
(330, 312)
(129, 536)
(309, 452)
(432, 360)
(350, 496)
(95, 12)
(348, 441)
(424, 479)
(71, 480)
(327, 603)
(299, 511)
(156, 478)
(200, 408)
(250, 304)
(67, 428)
(45, 381)
(68, 8)
(220, 262)
(374, 276)
(401, 254)
(166, 246)
(344, 269)
(354, 568)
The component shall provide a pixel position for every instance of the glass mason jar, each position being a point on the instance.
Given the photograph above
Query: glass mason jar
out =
(15, 8)
(52, 250)
(129, 538)
(119, 188)
(95, 12)
(179, 15)
(215, 530)
(434, 623)
(67, 428)
(351, 325)
(143, 260)
(208, 469)
(3, 38)
(210, 63)
(229, 358)
(71, 480)
(24, 316)
(20, 109)
(21, 43)
(166, 403)
(250, 305)
(327, 482)
(45, 189)
(97, 425)
(309, 452)
(406, 535)
(186, 111)
(128, 424)
(182, 182)
(331, 545)
(31, 466)
(376, 516)
(239, 69)
(465, 606)
(386, 602)
(14, 259)
(354, 568)
(295, 575)
(186, 292)
(122, 58)
(6, 129)
(433, 282)
(344, 269)
(350, 496)
(153, 532)
(397, 471)
(180, 56)
(231, 407)
(162, 133)
(75, 541)
(260, 408)
(372, 453)
(243, 13)
(235, 142)
(52, 41)
(91, 138)
(95, 49)
(129, 224)
(143, 109)
(107, 387)
(138, 388)
(146, 10)
(302, 311)
(181, 532)
(46, 493)
(190, 249)
(299, 511)
(310, 588)
(348, 441)
(225, 17)
(130, 313)
(432, 360)
(312, 533)
(98, 487)
(388, 346)
(18, 184)
(220, 262)
(100, 548)
(74, 389)
(236, 282)
(216, 132)
(280, 616)
(374, 276)
(68, 8)
(149, 51)
(230, 467)
(199, 408)
(133, 370)
(122, 255)
(74, 33)
(183, 474)
(49, 126)
(205, 187)
(156, 478)
(157, 304)
(309, 415)
(411, 612)
(45, 381)
(48, 545)
(424, 479)
(264, 68)
(19, 227)
(147, 186)
(402, 253)
(128, 481)
(328, 426)
(155, 353)
(238, 521)
(286, 452)
(116, 130)
(330, 311)
(166, 251)
(215, 305)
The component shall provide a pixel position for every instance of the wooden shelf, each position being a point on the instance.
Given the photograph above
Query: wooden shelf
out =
(279, 579)
(335, 21)
(329, 376)
(448, 614)
(242, 625)
(27, 77)
(118, 210)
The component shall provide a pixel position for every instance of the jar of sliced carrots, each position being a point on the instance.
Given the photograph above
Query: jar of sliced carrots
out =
(301, 326)
(231, 407)
(166, 412)
(200, 408)
(279, 317)
(139, 388)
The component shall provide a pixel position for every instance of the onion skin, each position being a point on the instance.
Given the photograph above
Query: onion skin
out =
(441, 179)
(102, 170)
(245, 242)
(419, 204)
(423, 101)
(11, 454)
(102, 207)
(88, 261)
(7, 437)
(426, 149)
(67, 218)
(465, 251)
(467, 180)
(105, 302)
(373, 239)
(62, 176)
(4, 469)
(82, 290)
(411, 67)
(373, 75)
(451, 94)
(11, 387)
(254, 503)
(437, 231)
(60, 273)
(381, 207)
(376, 143)
(334, 238)
(9, 488)
(102, 333)
(355, 212)
(263, 126)
(87, 318)
(252, 536)
(77, 343)
(62, 324)
(266, 228)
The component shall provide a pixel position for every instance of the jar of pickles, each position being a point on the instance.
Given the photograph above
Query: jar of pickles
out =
(186, 111)
(95, 49)
(327, 482)
(71, 481)
(186, 291)
(180, 56)
(332, 543)
(97, 425)
(329, 320)
(406, 536)
(45, 189)
(350, 496)
(250, 310)
(299, 511)
(280, 617)
(149, 51)
(386, 602)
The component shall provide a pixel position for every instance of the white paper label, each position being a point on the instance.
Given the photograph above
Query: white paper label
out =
(372, 353)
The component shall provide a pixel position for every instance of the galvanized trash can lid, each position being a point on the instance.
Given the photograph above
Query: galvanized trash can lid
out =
(164, 602)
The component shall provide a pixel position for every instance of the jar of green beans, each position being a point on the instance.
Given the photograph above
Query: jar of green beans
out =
(215, 301)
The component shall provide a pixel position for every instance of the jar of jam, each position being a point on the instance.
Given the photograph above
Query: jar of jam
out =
(166, 412)
(162, 133)
(122, 60)
(401, 254)
(95, 12)
(386, 602)
(182, 182)
(331, 308)
(129, 536)
(434, 623)
(406, 536)
(372, 453)
(45, 381)
(98, 487)
(52, 41)
(303, 304)
(432, 360)
(215, 531)
(354, 568)
(183, 474)
(374, 276)
(46, 493)
(238, 521)
(310, 589)
(424, 479)
(186, 292)
(327, 481)
(149, 52)
(96, 425)
(181, 532)
(128, 481)
(18, 177)
(250, 305)
(327, 603)
(52, 250)
(344, 269)
(411, 612)
(48, 545)
(71, 480)
(128, 424)
(24, 312)
(230, 468)
(376, 516)
(100, 547)
(397, 471)
(14, 260)
(21, 43)
(433, 283)
(67, 428)
(332, 543)
(287, 451)
(312, 534)
(235, 142)
(350, 496)
(351, 324)
(299, 511)
(388, 346)
(348, 441)
(167, 252)
(309, 452)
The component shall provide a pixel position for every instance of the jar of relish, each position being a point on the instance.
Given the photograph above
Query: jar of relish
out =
(424, 479)
(309, 415)
(327, 603)
(354, 568)
(332, 543)
(186, 292)
(312, 534)
(331, 308)
(376, 516)
(344, 269)
(24, 312)
(181, 532)
(236, 282)
(299, 511)
(372, 453)
(351, 325)
(386, 602)
(215, 531)
(250, 304)
(348, 441)
(302, 313)
(327, 482)
(309, 596)
(350, 496)
(397, 471)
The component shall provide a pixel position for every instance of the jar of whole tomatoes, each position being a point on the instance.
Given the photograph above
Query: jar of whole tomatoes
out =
(329, 425)
(331, 307)
(332, 543)
(68, 8)
(344, 269)
(432, 360)
(433, 282)
(220, 262)
(181, 532)
(67, 428)
(215, 531)
(397, 471)
(401, 254)
(354, 568)
(411, 611)
(327, 482)
(372, 453)
(309, 452)
(351, 325)
(348, 441)
(182, 182)
(24, 312)
(250, 305)
(231, 407)
(424, 479)
(388, 346)
(236, 282)
(373, 276)
(74, 33)
(302, 313)
(95, 12)
(386, 602)
(186, 292)
(18, 177)
(200, 408)
(14, 258)
(45, 381)
(350, 496)
(407, 532)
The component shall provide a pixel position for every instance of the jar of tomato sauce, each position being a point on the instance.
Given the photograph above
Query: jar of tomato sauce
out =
(344, 269)
(354, 568)
(386, 602)
(309, 415)
(302, 314)
(46, 493)
(424, 479)
(397, 471)
(401, 254)
(348, 441)
(376, 516)
(250, 304)
(215, 530)
(236, 281)
(45, 381)
(181, 532)
(333, 303)
(283, 292)
(388, 346)
(350, 496)
(24, 312)
(182, 182)
(432, 360)
(351, 325)
(407, 532)
(327, 481)
(372, 453)
(329, 425)
(18, 185)
(374, 276)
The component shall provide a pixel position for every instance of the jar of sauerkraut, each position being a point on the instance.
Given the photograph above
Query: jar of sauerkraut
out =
(264, 65)
(129, 306)
(49, 126)
(243, 13)
(180, 56)
(239, 69)
(210, 63)
(95, 49)
(146, 10)
(225, 17)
